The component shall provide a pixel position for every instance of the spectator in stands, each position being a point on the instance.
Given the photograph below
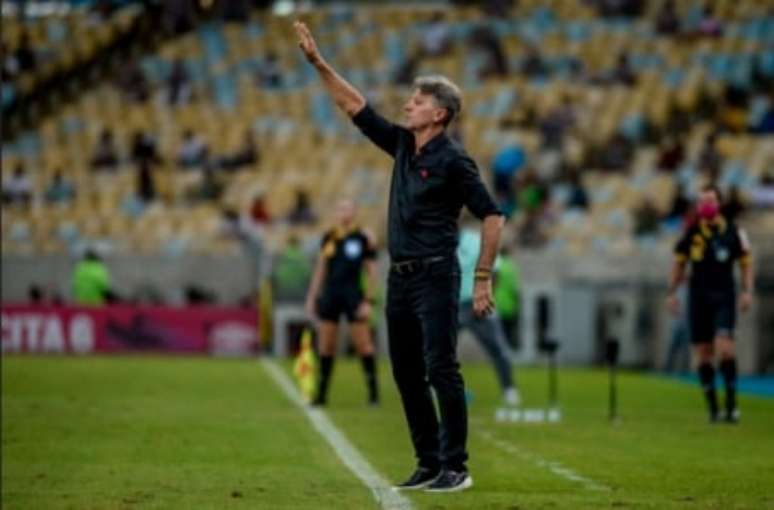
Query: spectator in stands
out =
(60, 190)
(99, 12)
(617, 153)
(407, 71)
(710, 159)
(578, 198)
(505, 165)
(667, 20)
(105, 154)
(498, 8)
(91, 281)
(18, 188)
(210, 188)
(24, 54)
(302, 210)
(672, 154)
(436, 40)
(144, 148)
(762, 195)
(178, 16)
(269, 73)
(646, 219)
(259, 211)
(623, 73)
(484, 39)
(616, 8)
(765, 124)
(556, 123)
(247, 154)
(146, 187)
(533, 64)
(734, 206)
(710, 25)
(133, 83)
(681, 204)
(734, 112)
(192, 151)
(178, 84)
(10, 67)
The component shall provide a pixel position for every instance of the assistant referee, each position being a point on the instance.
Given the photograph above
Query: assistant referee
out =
(432, 179)
(711, 246)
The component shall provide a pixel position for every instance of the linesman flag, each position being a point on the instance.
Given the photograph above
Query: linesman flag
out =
(305, 367)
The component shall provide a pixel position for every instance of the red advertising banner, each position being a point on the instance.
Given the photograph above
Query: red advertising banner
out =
(84, 330)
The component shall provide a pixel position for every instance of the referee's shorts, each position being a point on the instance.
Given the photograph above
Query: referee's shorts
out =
(331, 306)
(712, 313)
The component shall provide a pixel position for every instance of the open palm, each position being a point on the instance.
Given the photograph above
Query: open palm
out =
(306, 42)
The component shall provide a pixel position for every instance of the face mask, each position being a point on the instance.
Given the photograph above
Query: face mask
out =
(708, 210)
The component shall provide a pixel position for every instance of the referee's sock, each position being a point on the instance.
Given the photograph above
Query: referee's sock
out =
(369, 367)
(707, 378)
(728, 369)
(326, 367)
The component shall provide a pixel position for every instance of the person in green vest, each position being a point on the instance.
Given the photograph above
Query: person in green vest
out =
(506, 295)
(91, 281)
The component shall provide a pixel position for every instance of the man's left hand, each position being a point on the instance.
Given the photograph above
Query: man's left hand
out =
(483, 302)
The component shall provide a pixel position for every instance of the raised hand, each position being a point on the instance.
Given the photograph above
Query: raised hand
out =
(306, 42)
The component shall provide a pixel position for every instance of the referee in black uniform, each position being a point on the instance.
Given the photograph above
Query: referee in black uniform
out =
(337, 289)
(432, 179)
(712, 245)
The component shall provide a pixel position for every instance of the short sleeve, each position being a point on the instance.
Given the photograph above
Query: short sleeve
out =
(741, 248)
(474, 194)
(370, 252)
(379, 130)
(683, 246)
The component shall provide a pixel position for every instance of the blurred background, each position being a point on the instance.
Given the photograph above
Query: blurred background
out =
(185, 153)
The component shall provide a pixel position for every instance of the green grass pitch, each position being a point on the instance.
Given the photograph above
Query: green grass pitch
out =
(137, 432)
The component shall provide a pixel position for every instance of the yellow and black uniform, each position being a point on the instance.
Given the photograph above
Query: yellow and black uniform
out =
(712, 248)
(345, 252)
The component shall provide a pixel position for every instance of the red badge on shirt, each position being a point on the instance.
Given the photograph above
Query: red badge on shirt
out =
(424, 173)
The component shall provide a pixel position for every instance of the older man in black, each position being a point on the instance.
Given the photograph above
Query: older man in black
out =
(432, 179)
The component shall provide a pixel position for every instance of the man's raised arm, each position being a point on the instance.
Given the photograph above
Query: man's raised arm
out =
(347, 97)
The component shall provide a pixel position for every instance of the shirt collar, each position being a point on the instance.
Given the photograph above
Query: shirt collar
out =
(434, 143)
(706, 226)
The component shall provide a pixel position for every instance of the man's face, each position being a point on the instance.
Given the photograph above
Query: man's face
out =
(421, 111)
(345, 212)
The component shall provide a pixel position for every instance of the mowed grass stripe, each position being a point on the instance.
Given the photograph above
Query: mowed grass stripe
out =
(663, 454)
(160, 433)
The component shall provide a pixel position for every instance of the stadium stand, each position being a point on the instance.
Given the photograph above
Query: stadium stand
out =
(543, 78)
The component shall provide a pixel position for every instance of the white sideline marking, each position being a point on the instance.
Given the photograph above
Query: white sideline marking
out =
(555, 467)
(349, 455)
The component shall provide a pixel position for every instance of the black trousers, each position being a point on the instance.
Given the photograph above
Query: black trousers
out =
(422, 320)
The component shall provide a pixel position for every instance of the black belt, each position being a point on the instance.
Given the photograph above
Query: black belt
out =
(414, 265)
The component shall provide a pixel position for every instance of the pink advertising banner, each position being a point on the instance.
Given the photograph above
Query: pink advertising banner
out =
(85, 330)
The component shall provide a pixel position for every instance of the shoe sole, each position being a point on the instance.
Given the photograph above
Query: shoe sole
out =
(466, 484)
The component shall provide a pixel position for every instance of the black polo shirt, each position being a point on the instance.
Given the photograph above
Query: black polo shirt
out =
(712, 249)
(345, 252)
(428, 189)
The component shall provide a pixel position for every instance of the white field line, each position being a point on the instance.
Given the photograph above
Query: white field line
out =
(349, 455)
(555, 467)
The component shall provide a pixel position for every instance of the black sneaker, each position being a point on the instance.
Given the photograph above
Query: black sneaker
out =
(451, 481)
(318, 402)
(421, 478)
